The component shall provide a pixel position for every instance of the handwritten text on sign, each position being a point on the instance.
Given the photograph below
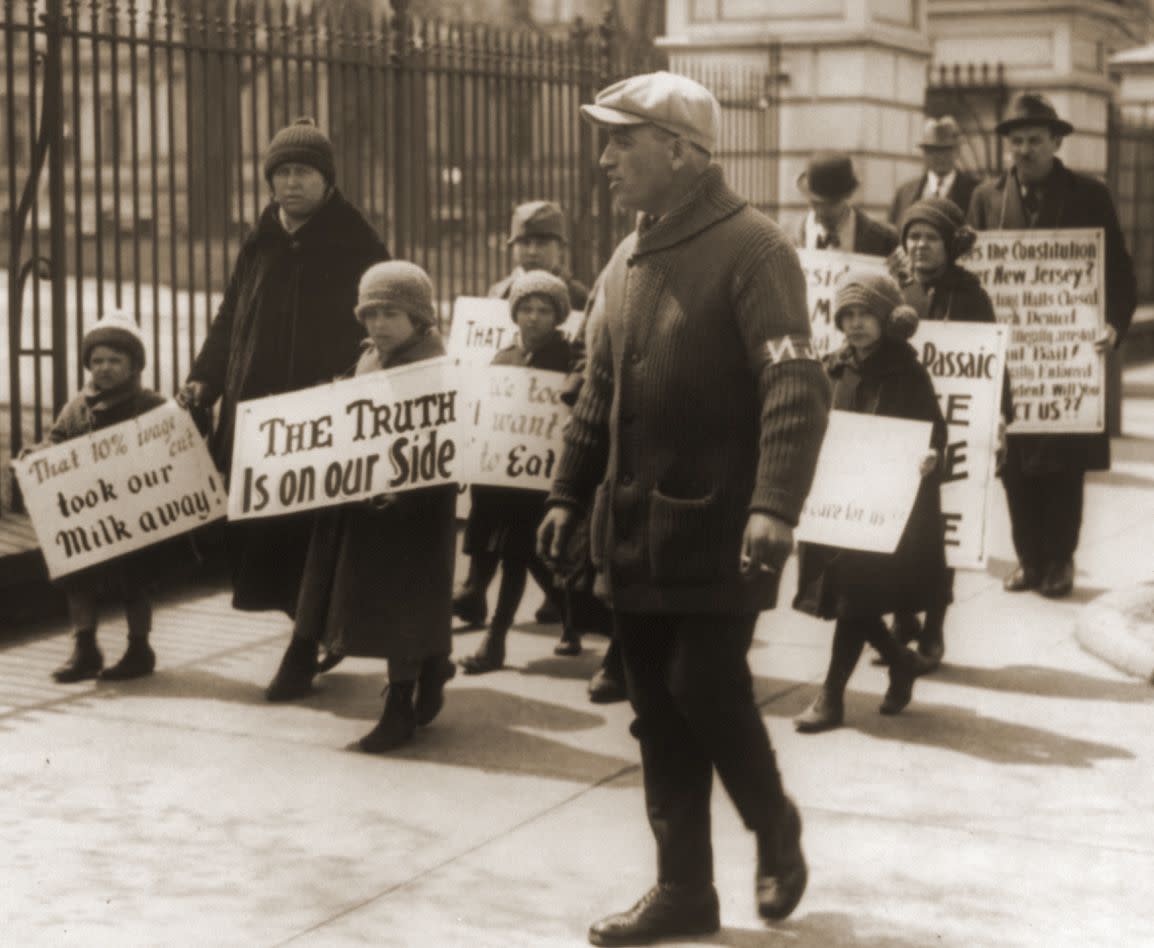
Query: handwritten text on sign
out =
(516, 441)
(1047, 285)
(120, 489)
(822, 270)
(866, 481)
(482, 327)
(965, 361)
(383, 432)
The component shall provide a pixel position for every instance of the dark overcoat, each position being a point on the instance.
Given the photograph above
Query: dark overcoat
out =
(504, 520)
(287, 322)
(834, 583)
(90, 411)
(703, 401)
(870, 237)
(1069, 200)
(379, 582)
(961, 191)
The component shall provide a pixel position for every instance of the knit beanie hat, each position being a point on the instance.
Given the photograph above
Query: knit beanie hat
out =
(301, 142)
(544, 284)
(881, 296)
(117, 330)
(947, 219)
(397, 283)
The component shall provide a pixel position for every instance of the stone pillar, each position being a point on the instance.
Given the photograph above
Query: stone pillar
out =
(837, 74)
(1061, 50)
(1134, 70)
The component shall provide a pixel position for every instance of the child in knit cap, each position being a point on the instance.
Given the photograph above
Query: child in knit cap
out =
(113, 353)
(378, 577)
(877, 372)
(503, 521)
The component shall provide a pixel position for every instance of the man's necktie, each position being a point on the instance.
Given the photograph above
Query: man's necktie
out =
(828, 241)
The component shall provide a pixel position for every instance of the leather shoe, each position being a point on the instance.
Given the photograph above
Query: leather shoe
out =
(668, 910)
(1059, 580)
(1021, 579)
(826, 713)
(605, 689)
(781, 869)
(470, 607)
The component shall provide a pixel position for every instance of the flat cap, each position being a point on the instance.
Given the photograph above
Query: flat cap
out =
(537, 219)
(674, 103)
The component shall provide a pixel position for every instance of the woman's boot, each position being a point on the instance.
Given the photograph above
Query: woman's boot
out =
(431, 687)
(137, 661)
(490, 654)
(294, 678)
(86, 661)
(828, 709)
(905, 666)
(397, 723)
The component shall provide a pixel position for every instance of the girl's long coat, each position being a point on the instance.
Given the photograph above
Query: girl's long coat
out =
(287, 322)
(379, 582)
(834, 583)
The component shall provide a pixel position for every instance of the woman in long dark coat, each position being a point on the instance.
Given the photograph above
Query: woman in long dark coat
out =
(854, 587)
(378, 579)
(286, 323)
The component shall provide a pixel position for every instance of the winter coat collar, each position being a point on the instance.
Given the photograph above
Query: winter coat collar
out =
(555, 346)
(105, 400)
(336, 223)
(426, 345)
(892, 357)
(709, 202)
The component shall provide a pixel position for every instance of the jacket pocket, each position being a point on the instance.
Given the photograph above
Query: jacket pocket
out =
(686, 539)
(599, 525)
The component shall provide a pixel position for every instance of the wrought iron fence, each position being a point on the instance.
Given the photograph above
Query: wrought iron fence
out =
(1130, 156)
(976, 95)
(132, 143)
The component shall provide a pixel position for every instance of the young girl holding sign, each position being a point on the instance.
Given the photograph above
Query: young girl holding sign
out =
(503, 520)
(113, 353)
(877, 372)
(378, 575)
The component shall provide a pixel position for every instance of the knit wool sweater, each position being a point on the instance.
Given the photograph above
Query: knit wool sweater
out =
(703, 402)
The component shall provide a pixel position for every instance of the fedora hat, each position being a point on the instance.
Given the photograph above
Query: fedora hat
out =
(940, 133)
(1032, 108)
(829, 176)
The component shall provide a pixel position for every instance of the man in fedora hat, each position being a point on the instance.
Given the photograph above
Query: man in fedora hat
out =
(828, 182)
(942, 178)
(1044, 474)
(694, 441)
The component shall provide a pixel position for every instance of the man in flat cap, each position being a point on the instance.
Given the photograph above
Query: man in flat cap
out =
(694, 441)
(828, 182)
(1044, 475)
(942, 178)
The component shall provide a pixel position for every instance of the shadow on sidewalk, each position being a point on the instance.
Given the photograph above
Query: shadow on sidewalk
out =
(955, 729)
(1045, 682)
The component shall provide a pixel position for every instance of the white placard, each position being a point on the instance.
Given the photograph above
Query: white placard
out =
(965, 361)
(1048, 287)
(383, 432)
(515, 439)
(482, 327)
(120, 489)
(822, 270)
(866, 482)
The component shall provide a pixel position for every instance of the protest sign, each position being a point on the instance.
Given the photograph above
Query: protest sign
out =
(822, 270)
(120, 489)
(1047, 286)
(515, 439)
(965, 361)
(379, 433)
(866, 481)
(482, 327)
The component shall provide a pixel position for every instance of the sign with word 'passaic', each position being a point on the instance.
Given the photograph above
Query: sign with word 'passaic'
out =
(119, 489)
(379, 433)
(866, 482)
(1047, 286)
(822, 269)
(965, 361)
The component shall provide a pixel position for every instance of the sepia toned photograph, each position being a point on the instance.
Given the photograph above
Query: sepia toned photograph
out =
(577, 472)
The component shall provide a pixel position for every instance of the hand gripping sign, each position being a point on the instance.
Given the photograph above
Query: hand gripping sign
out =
(1047, 286)
(120, 489)
(384, 432)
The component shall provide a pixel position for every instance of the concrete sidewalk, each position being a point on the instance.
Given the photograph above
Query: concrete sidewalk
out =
(1009, 805)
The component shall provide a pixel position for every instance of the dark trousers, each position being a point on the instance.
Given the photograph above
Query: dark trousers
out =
(690, 687)
(514, 571)
(1045, 515)
(849, 638)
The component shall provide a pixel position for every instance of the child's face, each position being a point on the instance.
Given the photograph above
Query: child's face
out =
(536, 319)
(926, 248)
(109, 367)
(863, 330)
(537, 253)
(389, 327)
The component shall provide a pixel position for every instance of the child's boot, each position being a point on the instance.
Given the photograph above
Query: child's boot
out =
(85, 660)
(490, 654)
(397, 723)
(905, 666)
(826, 713)
(570, 643)
(137, 661)
(435, 672)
